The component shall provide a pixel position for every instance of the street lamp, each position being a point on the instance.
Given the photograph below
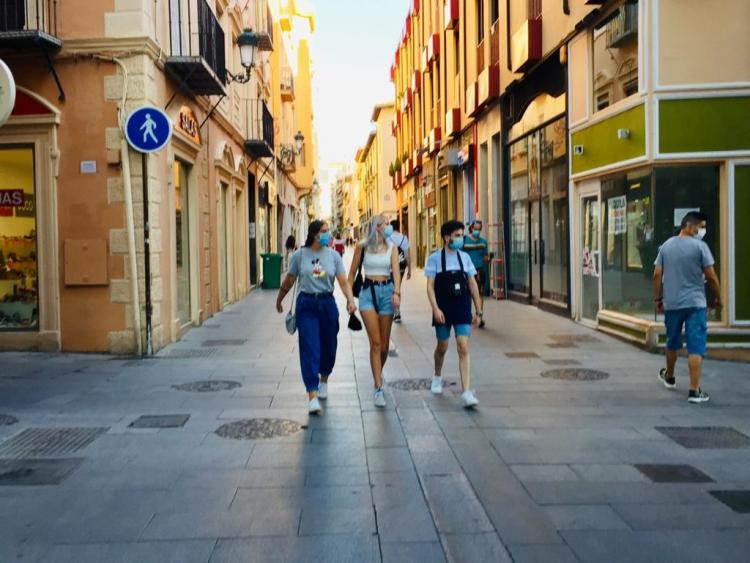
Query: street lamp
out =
(247, 41)
(299, 140)
(289, 152)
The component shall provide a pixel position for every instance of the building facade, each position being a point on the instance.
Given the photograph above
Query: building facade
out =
(78, 272)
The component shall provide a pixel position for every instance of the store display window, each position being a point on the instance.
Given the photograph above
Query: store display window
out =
(19, 276)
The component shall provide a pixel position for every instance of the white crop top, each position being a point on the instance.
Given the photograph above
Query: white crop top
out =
(378, 264)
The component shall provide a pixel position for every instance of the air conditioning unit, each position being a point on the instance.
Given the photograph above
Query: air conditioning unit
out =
(448, 159)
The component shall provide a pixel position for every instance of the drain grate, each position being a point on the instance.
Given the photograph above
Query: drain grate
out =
(189, 353)
(29, 472)
(160, 421)
(258, 428)
(573, 338)
(562, 362)
(705, 437)
(46, 442)
(224, 342)
(672, 473)
(210, 386)
(415, 384)
(575, 374)
(739, 501)
(7, 420)
(521, 355)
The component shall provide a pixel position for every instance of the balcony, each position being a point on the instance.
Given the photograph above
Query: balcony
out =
(28, 23)
(196, 42)
(417, 160)
(263, 25)
(624, 26)
(259, 142)
(450, 14)
(526, 45)
(287, 85)
(453, 122)
(471, 100)
(488, 85)
(433, 143)
(433, 48)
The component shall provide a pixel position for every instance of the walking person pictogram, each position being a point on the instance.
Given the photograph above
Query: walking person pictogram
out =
(149, 125)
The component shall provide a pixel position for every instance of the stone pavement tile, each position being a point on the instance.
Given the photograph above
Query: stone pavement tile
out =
(553, 452)
(581, 492)
(333, 549)
(337, 436)
(436, 463)
(412, 552)
(454, 506)
(26, 551)
(620, 546)
(333, 520)
(307, 497)
(711, 515)
(401, 508)
(382, 428)
(306, 455)
(477, 548)
(355, 475)
(542, 554)
(544, 473)
(585, 517)
(612, 472)
(191, 551)
(389, 459)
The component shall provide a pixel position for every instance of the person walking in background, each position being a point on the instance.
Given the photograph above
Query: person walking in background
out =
(339, 244)
(683, 267)
(451, 288)
(315, 267)
(289, 247)
(476, 247)
(379, 296)
(401, 242)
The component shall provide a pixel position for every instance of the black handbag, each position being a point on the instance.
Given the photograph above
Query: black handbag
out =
(354, 323)
(359, 280)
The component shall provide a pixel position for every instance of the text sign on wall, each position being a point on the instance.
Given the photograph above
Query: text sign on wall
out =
(187, 123)
(11, 198)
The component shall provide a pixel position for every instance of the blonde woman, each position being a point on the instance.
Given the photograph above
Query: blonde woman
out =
(380, 294)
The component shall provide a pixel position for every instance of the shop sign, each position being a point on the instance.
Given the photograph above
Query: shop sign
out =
(616, 221)
(464, 155)
(188, 124)
(11, 198)
(429, 199)
(7, 93)
(590, 262)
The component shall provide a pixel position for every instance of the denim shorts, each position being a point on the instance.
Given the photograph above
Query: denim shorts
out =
(383, 295)
(695, 320)
(443, 332)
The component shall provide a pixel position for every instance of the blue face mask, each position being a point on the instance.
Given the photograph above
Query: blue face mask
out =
(457, 243)
(325, 238)
(388, 231)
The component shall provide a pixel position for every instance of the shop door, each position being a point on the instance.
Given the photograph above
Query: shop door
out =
(537, 251)
(223, 245)
(590, 260)
(252, 229)
(182, 242)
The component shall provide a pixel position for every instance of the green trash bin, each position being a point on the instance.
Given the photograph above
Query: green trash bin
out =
(271, 270)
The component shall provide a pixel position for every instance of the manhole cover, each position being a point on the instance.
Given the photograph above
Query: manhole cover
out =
(705, 437)
(573, 338)
(739, 501)
(421, 384)
(208, 386)
(189, 354)
(257, 428)
(562, 362)
(27, 472)
(36, 442)
(7, 420)
(224, 342)
(160, 421)
(575, 374)
(521, 355)
(671, 473)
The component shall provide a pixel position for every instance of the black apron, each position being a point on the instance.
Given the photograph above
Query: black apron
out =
(452, 294)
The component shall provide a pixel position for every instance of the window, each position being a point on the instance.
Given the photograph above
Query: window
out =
(602, 100)
(495, 10)
(480, 21)
(19, 276)
(615, 57)
(535, 9)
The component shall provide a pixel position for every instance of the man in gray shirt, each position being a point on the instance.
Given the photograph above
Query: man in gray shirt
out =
(683, 268)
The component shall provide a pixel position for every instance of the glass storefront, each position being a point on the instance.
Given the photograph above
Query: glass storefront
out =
(223, 244)
(539, 214)
(19, 276)
(641, 210)
(182, 241)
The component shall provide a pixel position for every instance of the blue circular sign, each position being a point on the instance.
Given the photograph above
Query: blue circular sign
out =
(148, 129)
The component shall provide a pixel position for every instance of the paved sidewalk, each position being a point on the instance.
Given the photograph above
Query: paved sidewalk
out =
(545, 470)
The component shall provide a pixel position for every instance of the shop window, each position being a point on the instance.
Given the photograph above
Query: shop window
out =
(615, 55)
(518, 279)
(641, 210)
(19, 276)
(182, 241)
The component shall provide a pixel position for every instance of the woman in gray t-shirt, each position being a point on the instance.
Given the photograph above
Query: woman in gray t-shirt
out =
(314, 267)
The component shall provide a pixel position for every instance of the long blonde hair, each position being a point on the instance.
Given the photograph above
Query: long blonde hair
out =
(373, 237)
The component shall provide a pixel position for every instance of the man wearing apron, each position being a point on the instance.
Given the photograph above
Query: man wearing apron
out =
(451, 288)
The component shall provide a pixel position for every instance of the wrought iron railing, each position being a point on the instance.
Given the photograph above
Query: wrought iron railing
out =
(259, 122)
(28, 15)
(287, 80)
(195, 32)
(623, 25)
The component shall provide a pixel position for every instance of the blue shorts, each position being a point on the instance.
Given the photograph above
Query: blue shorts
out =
(695, 320)
(383, 295)
(443, 332)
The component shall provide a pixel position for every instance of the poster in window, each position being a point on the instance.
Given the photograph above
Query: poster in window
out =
(616, 219)
(27, 209)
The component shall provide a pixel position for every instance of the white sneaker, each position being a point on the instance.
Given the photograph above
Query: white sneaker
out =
(470, 400)
(323, 391)
(314, 406)
(379, 400)
(437, 385)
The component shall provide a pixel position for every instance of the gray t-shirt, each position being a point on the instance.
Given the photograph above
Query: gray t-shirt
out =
(682, 260)
(316, 271)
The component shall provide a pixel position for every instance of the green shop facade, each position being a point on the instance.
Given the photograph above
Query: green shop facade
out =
(635, 170)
